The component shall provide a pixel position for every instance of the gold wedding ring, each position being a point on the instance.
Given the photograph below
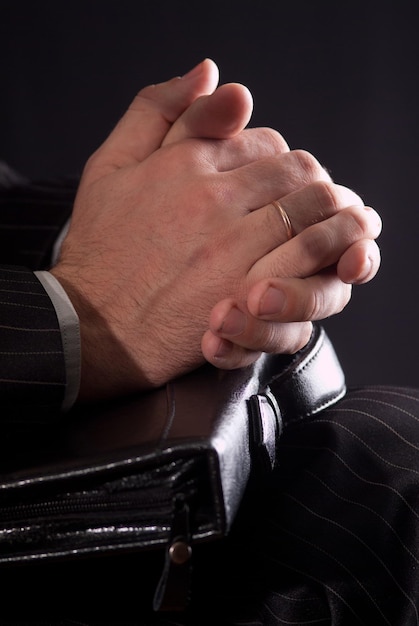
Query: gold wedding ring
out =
(285, 219)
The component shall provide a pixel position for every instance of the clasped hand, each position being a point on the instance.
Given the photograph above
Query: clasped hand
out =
(175, 252)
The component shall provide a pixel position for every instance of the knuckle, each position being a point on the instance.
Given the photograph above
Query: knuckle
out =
(326, 196)
(264, 142)
(317, 242)
(308, 165)
(274, 139)
(356, 222)
(313, 306)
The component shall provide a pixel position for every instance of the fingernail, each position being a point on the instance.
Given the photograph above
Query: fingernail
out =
(377, 217)
(234, 323)
(195, 71)
(272, 302)
(366, 271)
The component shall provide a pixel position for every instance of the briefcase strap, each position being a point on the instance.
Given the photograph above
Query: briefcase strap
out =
(310, 381)
(294, 388)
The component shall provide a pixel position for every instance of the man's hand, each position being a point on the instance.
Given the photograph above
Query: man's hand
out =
(278, 310)
(159, 236)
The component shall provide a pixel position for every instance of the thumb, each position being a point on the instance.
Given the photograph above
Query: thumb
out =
(149, 117)
(220, 115)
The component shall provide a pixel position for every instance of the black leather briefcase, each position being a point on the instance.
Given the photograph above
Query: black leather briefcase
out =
(166, 469)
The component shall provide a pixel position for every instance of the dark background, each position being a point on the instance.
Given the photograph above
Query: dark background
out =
(339, 79)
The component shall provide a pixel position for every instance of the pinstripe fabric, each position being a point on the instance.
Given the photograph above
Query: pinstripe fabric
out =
(337, 537)
(343, 527)
(331, 540)
(32, 369)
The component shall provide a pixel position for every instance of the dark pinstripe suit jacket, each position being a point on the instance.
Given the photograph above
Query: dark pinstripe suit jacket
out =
(32, 371)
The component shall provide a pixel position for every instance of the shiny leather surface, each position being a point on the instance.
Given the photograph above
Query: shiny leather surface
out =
(196, 438)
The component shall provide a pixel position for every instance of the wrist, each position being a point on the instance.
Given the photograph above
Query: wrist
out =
(107, 368)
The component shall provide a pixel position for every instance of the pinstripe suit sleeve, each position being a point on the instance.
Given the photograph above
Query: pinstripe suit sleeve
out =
(32, 364)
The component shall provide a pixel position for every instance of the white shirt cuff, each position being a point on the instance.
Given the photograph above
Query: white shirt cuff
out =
(56, 251)
(70, 333)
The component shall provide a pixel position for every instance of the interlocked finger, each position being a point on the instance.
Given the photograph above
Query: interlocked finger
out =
(318, 246)
(225, 354)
